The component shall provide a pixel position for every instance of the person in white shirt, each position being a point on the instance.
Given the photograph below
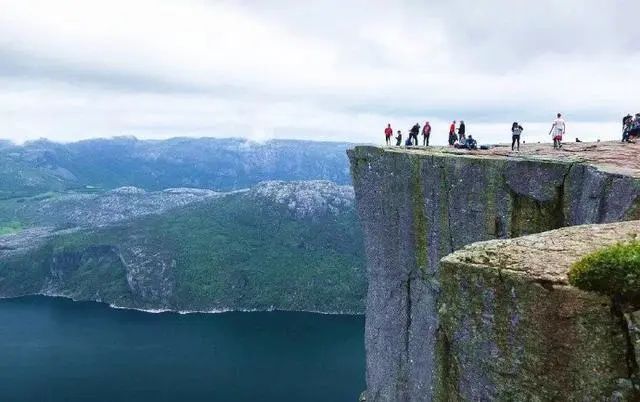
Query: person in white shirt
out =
(557, 131)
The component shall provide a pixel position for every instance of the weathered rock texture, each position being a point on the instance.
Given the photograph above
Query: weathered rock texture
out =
(417, 206)
(511, 328)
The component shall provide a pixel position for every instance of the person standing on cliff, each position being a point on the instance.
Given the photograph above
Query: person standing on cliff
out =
(557, 131)
(516, 130)
(388, 132)
(426, 133)
(413, 134)
(452, 133)
(462, 129)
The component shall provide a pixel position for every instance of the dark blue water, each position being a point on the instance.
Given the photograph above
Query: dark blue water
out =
(58, 350)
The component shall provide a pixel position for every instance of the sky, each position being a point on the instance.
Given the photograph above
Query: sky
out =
(318, 70)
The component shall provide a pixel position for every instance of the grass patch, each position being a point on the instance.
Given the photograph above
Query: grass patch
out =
(614, 271)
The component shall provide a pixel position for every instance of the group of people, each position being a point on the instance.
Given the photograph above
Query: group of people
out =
(630, 127)
(459, 141)
(458, 137)
(413, 135)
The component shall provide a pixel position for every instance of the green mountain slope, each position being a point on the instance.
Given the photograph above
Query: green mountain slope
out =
(293, 246)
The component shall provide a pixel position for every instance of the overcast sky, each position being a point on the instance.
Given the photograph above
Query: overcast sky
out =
(324, 70)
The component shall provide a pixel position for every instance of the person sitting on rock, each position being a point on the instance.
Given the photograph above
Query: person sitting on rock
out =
(634, 130)
(408, 142)
(470, 143)
(399, 139)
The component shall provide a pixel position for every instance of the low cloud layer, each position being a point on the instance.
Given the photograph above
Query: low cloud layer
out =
(332, 70)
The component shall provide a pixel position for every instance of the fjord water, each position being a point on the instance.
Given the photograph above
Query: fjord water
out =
(59, 350)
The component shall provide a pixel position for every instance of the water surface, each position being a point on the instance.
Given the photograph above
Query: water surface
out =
(59, 350)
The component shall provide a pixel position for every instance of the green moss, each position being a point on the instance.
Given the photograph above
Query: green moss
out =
(614, 271)
(529, 216)
(633, 213)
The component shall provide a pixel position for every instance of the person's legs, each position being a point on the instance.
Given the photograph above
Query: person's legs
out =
(428, 139)
(513, 141)
(518, 141)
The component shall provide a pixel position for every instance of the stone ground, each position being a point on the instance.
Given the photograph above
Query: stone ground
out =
(610, 156)
(545, 256)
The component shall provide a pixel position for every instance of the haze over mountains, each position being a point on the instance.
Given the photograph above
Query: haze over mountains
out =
(217, 164)
(182, 224)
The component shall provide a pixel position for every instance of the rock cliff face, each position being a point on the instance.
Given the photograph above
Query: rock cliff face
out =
(511, 328)
(418, 206)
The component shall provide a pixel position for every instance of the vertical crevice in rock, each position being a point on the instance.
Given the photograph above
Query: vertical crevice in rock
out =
(446, 383)
(408, 312)
(617, 309)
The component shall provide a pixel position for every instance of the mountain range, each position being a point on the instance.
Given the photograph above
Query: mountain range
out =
(182, 224)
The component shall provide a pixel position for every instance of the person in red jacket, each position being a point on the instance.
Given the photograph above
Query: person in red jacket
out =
(452, 134)
(426, 133)
(388, 132)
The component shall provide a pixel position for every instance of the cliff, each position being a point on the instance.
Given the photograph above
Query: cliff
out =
(417, 206)
(511, 328)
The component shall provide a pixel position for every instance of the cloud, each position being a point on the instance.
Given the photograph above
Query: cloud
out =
(75, 69)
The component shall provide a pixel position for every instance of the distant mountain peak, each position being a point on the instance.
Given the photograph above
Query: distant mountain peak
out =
(307, 198)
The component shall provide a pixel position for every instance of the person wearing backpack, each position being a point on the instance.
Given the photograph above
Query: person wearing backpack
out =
(516, 130)
(426, 133)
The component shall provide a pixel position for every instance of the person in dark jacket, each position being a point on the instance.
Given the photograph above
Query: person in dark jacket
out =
(413, 134)
(470, 143)
(516, 130)
(462, 129)
(399, 139)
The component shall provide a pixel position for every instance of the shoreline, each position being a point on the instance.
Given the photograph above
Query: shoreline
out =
(181, 312)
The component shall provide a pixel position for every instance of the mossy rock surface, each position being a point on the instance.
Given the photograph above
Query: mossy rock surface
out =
(513, 327)
(614, 271)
